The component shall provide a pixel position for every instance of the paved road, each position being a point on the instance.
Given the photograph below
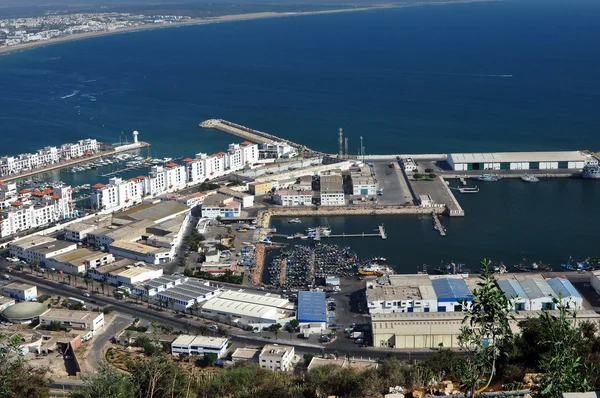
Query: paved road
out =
(94, 355)
(395, 190)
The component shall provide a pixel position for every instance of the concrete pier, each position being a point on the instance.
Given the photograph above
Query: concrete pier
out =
(437, 224)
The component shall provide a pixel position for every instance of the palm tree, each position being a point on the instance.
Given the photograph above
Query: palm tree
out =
(102, 286)
(172, 302)
(202, 330)
(147, 289)
(31, 265)
(195, 307)
(87, 281)
(107, 286)
(69, 277)
(75, 280)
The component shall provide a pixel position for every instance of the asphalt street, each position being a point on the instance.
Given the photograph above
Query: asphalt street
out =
(178, 322)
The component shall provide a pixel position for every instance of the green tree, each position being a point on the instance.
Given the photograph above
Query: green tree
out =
(107, 382)
(210, 359)
(275, 329)
(294, 323)
(307, 358)
(484, 333)
(563, 369)
(87, 282)
(147, 289)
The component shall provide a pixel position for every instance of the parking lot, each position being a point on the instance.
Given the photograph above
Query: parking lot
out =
(393, 183)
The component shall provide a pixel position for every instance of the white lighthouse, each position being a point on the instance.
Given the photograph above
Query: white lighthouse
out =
(135, 137)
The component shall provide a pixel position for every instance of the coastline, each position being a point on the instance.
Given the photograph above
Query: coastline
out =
(197, 21)
(225, 18)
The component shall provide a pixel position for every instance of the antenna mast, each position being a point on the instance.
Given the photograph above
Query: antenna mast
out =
(340, 143)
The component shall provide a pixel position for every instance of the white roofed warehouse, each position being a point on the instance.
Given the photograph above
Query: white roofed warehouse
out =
(565, 160)
(253, 310)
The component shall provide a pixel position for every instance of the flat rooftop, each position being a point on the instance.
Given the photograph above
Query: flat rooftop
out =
(215, 200)
(233, 193)
(312, 307)
(51, 247)
(80, 316)
(78, 256)
(135, 271)
(509, 157)
(137, 247)
(19, 286)
(117, 265)
(248, 354)
(201, 341)
(275, 350)
(268, 300)
(32, 241)
(153, 212)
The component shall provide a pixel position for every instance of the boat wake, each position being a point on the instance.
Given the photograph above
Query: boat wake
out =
(459, 74)
(74, 93)
(89, 81)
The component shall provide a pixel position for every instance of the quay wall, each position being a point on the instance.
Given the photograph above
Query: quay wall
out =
(566, 174)
(456, 210)
(244, 133)
(264, 217)
(72, 162)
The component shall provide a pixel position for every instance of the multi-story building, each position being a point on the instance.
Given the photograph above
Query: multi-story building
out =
(79, 261)
(276, 357)
(87, 146)
(293, 198)
(363, 184)
(332, 190)
(24, 210)
(270, 150)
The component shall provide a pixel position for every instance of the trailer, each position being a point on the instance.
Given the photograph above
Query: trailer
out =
(357, 335)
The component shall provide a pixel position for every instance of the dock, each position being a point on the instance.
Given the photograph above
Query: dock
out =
(379, 234)
(437, 224)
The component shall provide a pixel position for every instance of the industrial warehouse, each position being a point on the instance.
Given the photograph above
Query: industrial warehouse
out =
(421, 311)
(566, 160)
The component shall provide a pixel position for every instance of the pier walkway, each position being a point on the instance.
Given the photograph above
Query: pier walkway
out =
(437, 224)
(246, 133)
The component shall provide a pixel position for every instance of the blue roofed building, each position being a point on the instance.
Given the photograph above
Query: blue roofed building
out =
(540, 294)
(312, 311)
(513, 291)
(566, 292)
(449, 291)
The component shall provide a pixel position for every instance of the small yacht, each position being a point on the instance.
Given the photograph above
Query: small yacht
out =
(529, 178)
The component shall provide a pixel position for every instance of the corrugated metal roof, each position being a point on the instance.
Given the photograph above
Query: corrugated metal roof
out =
(512, 289)
(537, 288)
(311, 307)
(563, 288)
(449, 290)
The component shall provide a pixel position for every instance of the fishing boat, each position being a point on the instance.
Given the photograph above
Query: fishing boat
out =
(591, 171)
(577, 266)
(487, 177)
(529, 178)
(468, 189)
(295, 221)
(497, 269)
(449, 269)
(380, 259)
(533, 267)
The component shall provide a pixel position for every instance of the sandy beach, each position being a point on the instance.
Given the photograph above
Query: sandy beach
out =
(224, 18)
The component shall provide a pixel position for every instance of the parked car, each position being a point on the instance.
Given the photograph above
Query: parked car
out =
(86, 294)
(68, 357)
(359, 341)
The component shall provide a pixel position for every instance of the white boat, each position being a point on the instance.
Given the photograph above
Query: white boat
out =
(468, 189)
(295, 221)
(529, 178)
(591, 171)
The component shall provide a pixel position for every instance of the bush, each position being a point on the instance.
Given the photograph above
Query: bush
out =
(416, 176)
(428, 170)
(141, 329)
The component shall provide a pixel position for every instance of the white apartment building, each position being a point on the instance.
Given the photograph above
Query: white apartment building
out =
(363, 184)
(276, 357)
(24, 210)
(87, 146)
(28, 161)
(277, 150)
(20, 291)
(199, 345)
(293, 198)
(332, 191)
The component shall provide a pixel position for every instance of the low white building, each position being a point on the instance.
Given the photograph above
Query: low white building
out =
(253, 310)
(566, 293)
(18, 248)
(245, 199)
(199, 345)
(403, 293)
(595, 280)
(293, 198)
(40, 253)
(277, 150)
(83, 320)
(540, 294)
(244, 354)
(125, 273)
(567, 160)
(363, 184)
(222, 206)
(277, 357)
(79, 261)
(332, 190)
(178, 293)
(20, 291)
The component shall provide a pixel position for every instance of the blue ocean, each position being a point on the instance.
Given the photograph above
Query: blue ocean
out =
(497, 76)
(494, 76)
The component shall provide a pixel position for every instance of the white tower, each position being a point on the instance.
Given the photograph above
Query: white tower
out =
(135, 137)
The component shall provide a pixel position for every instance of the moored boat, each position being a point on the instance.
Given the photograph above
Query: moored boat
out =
(374, 269)
(529, 178)
(591, 171)
(577, 266)
(449, 269)
(533, 267)
(487, 177)
(295, 221)
(468, 189)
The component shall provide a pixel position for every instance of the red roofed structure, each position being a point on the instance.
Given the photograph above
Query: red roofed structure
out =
(16, 204)
(98, 186)
(25, 190)
(187, 160)
(171, 164)
(55, 197)
(246, 143)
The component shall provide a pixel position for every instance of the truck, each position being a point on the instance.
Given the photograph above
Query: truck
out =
(357, 335)
(75, 301)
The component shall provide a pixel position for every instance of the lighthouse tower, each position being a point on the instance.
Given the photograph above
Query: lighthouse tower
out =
(135, 137)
